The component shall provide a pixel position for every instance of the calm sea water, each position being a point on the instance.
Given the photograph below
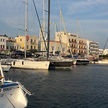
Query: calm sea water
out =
(80, 87)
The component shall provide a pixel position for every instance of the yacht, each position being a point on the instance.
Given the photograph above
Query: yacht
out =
(12, 94)
(30, 64)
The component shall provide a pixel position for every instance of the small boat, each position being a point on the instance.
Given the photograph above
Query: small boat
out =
(82, 61)
(12, 94)
(103, 61)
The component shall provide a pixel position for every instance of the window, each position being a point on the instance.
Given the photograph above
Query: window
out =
(7, 47)
(52, 48)
(3, 46)
(22, 62)
(31, 47)
(14, 63)
(34, 41)
(31, 40)
(27, 47)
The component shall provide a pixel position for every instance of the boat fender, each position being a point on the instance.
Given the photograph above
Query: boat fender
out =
(1, 77)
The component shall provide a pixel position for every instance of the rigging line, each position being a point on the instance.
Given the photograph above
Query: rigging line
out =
(62, 20)
(39, 24)
(61, 16)
(105, 44)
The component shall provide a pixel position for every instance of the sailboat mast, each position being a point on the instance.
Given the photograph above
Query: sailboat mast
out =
(48, 29)
(44, 18)
(26, 27)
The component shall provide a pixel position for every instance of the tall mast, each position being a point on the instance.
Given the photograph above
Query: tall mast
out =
(43, 26)
(26, 27)
(48, 29)
(44, 18)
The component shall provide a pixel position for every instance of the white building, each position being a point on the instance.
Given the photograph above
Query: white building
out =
(100, 51)
(75, 45)
(3, 39)
(78, 46)
(12, 45)
(92, 49)
(105, 52)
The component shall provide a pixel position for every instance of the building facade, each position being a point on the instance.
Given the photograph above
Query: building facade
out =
(105, 52)
(78, 46)
(82, 47)
(12, 45)
(3, 39)
(69, 39)
(30, 44)
(94, 49)
(55, 47)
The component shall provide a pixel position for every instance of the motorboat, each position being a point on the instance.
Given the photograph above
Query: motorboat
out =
(82, 61)
(12, 94)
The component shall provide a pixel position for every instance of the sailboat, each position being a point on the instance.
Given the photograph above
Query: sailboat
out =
(59, 61)
(12, 94)
(29, 63)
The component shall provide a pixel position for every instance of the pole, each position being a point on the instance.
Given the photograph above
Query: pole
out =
(48, 29)
(44, 18)
(26, 27)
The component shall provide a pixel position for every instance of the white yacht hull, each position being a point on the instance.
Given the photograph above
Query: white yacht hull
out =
(29, 64)
(12, 96)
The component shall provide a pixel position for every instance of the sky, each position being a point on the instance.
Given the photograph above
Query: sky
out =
(87, 18)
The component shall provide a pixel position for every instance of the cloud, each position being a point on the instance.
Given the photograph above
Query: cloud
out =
(82, 6)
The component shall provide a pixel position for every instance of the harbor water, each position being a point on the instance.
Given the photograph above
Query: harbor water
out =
(79, 87)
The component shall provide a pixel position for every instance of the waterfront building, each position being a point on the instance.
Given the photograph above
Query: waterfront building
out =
(82, 47)
(94, 49)
(31, 42)
(75, 45)
(100, 51)
(56, 47)
(12, 45)
(105, 52)
(78, 46)
(3, 39)
(69, 39)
